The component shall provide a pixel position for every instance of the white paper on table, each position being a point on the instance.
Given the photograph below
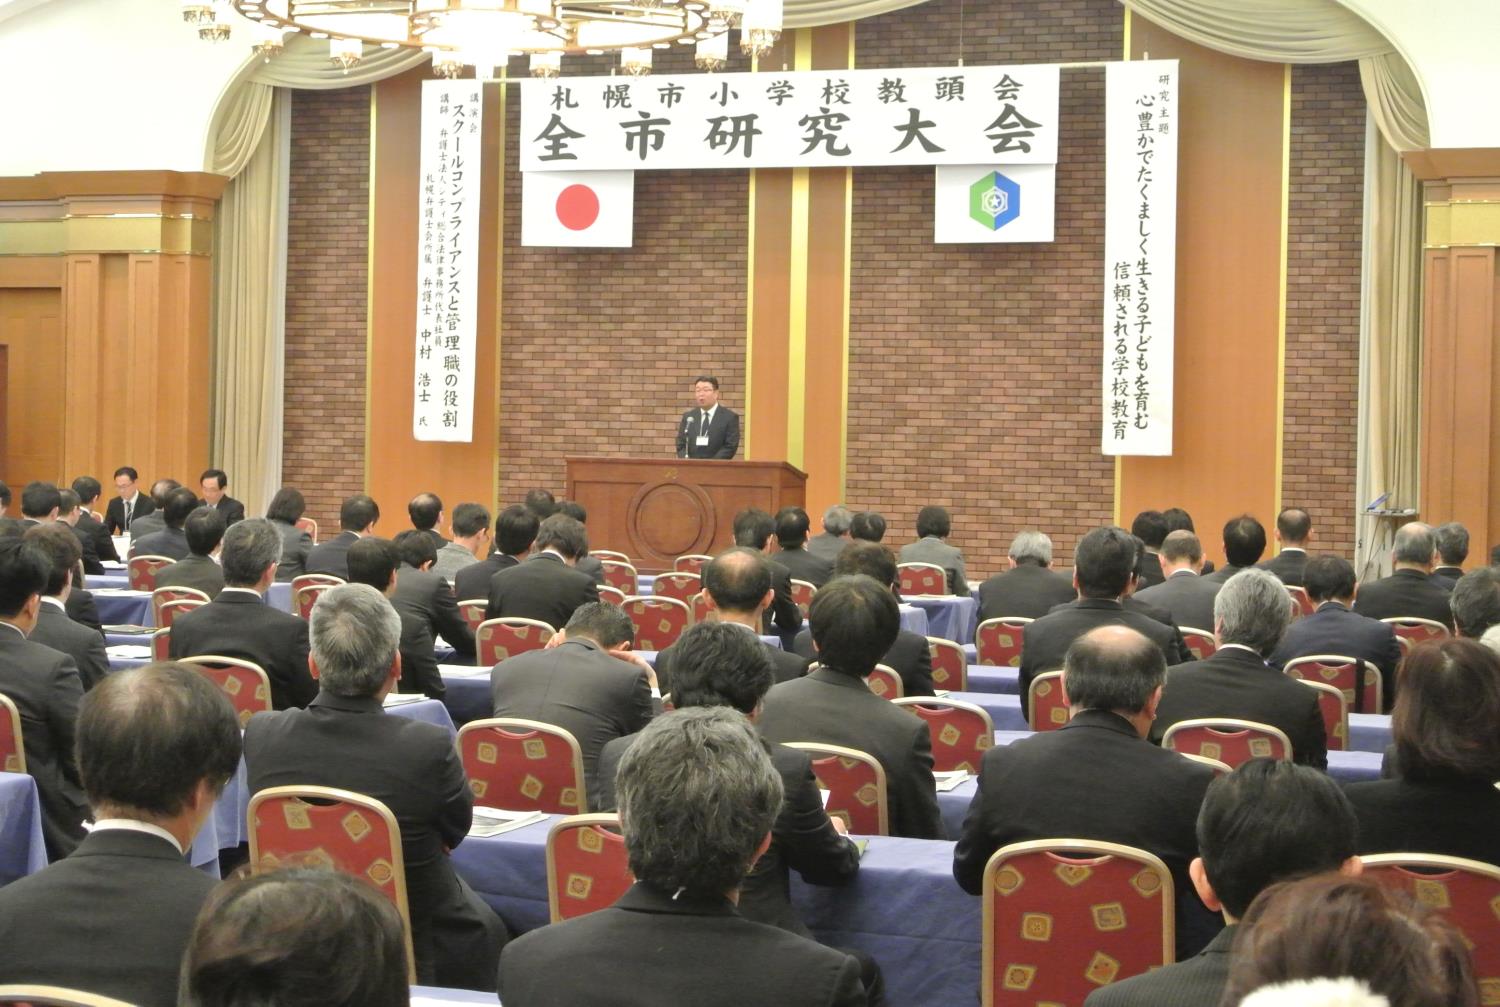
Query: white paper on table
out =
(826, 794)
(493, 821)
(950, 779)
(128, 650)
(462, 671)
(403, 698)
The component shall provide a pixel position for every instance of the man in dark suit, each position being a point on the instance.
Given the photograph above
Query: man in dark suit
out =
(357, 517)
(44, 685)
(1476, 603)
(53, 627)
(1185, 594)
(239, 623)
(377, 562)
(1294, 532)
(791, 537)
(1452, 541)
(1029, 588)
(1244, 544)
(867, 526)
(1265, 823)
(1150, 526)
(344, 739)
(590, 565)
(426, 595)
(426, 513)
(4, 499)
(1333, 629)
(1103, 564)
(1251, 616)
(854, 623)
(204, 529)
(909, 656)
(39, 503)
(155, 748)
(545, 587)
(835, 534)
(515, 530)
(934, 525)
(68, 515)
(753, 529)
(213, 482)
(1097, 777)
(149, 524)
(1410, 590)
(130, 503)
(471, 541)
(591, 685)
(88, 490)
(708, 430)
(693, 827)
(171, 541)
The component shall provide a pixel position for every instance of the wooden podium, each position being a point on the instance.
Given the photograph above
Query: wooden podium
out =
(656, 509)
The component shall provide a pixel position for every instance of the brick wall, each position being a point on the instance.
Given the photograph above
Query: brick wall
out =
(324, 439)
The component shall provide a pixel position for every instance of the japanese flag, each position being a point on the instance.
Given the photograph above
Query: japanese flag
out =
(577, 209)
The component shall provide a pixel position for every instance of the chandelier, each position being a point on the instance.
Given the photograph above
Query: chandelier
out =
(484, 34)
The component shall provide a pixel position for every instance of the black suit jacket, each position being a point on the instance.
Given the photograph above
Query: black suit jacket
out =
(295, 545)
(802, 840)
(198, 572)
(723, 434)
(472, 583)
(240, 624)
(114, 512)
(103, 544)
(543, 587)
(1287, 565)
(89, 546)
(650, 949)
(1223, 574)
(419, 667)
(783, 612)
(330, 557)
(413, 769)
(427, 596)
(1026, 592)
(1093, 778)
(1197, 982)
(1150, 573)
(785, 665)
(1405, 593)
(1447, 576)
(230, 509)
(1333, 629)
(169, 542)
(143, 525)
(1188, 597)
(82, 610)
(1045, 643)
(828, 545)
(44, 685)
(803, 565)
(1236, 683)
(85, 646)
(830, 707)
(113, 919)
(579, 687)
(908, 657)
(1454, 817)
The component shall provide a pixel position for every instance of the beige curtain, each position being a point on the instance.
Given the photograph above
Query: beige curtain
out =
(305, 65)
(812, 13)
(1395, 100)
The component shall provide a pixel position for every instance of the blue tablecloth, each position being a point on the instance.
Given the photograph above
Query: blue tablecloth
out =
(914, 620)
(990, 678)
(439, 994)
(1369, 732)
(280, 595)
(22, 849)
(123, 607)
(949, 617)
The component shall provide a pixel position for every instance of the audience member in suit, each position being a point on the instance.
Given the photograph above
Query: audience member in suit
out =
(1132, 603)
(129, 504)
(357, 517)
(1410, 590)
(1268, 821)
(855, 621)
(239, 623)
(1097, 777)
(1335, 630)
(909, 656)
(933, 528)
(377, 562)
(515, 530)
(1452, 541)
(791, 539)
(171, 541)
(1476, 606)
(1185, 594)
(867, 526)
(586, 564)
(1443, 799)
(4, 499)
(204, 529)
(155, 747)
(1244, 544)
(82, 610)
(212, 482)
(40, 503)
(541, 503)
(835, 534)
(426, 513)
(1150, 526)
(68, 514)
(546, 587)
(1103, 564)
(1251, 615)
(591, 685)
(285, 510)
(290, 936)
(1029, 588)
(471, 540)
(753, 529)
(738, 584)
(153, 522)
(53, 627)
(424, 594)
(44, 685)
(709, 430)
(1294, 533)
(345, 739)
(88, 490)
(694, 828)
(1180, 520)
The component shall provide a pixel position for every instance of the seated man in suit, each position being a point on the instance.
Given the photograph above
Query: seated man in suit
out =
(738, 583)
(1103, 564)
(867, 526)
(1334, 629)
(835, 534)
(515, 530)
(377, 562)
(541, 503)
(212, 482)
(1029, 588)
(171, 541)
(154, 521)
(1180, 520)
(1295, 532)
(546, 587)
(791, 539)
(68, 515)
(710, 430)
(345, 739)
(44, 685)
(88, 490)
(1097, 777)
(4, 499)
(1185, 594)
(204, 529)
(909, 656)
(40, 502)
(239, 623)
(1244, 544)
(1251, 615)
(53, 627)
(753, 529)
(854, 623)
(285, 511)
(933, 528)
(590, 685)
(427, 596)
(471, 541)
(155, 747)
(590, 565)
(128, 504)
(357, 517)
(1267, 822)
(1410, 590)
(1452, 541)
(1476, 606)
(1150, 526)
(426, 513)
(694, 828)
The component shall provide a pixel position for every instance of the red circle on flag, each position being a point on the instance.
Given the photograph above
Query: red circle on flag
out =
(577, 207)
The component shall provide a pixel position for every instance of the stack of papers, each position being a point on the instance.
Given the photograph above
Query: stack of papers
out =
(129, 628)
(129, 650)
(402, 698)
(120, 592)
(463, 671)
(951, 779)
(493, 821)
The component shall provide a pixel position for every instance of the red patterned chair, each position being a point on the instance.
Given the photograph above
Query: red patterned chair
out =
(885, 683)
(472, 609)
(918, 579)
(143, 569)
(587, 868)
(302, 580)
(244, 682)
(12, 752)
(1302, 605)
(658, 621)
(1200, 642)
(334, 829)
(497, 639)
(677, 584)
(161, 644)
(306, 596)
(1048, 702)
(855, 782)
(1466, 892)
(620, 575)
(1063, 917)
(961, 732)
(168, 611)
(310, 526)
(691, 563)
(950, 668)
(523, 765)
(1411, 631)
(613, 595)
(22, 995)
(701, 607)
(802, 595)
(1340, 671)
(1219, 768)
(161, 595)
(1335, 710)
(998, 641)
(1230, 741)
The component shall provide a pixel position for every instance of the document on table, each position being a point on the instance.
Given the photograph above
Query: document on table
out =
(493, 821)
(402, 698)
(128, 650)
(951, 779)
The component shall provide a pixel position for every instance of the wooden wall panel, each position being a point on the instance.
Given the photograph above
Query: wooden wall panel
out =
(31, 335)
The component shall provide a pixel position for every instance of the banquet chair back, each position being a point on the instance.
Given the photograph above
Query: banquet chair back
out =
(523, 765)
(702, 610)
(802, 595)
(473, 609)
(497, 639)
(161, 595)
(587, 867)
(885, 682)
(1362, 692)
(24, 995)
(1411, 630)
(1335, 710)
(950, 668)
(620, 575)
(168, 611)
(142, 571)
(12, 752)
(917, 579)
(961, 732)
(244, 682)
(1219, 768)
(306, 596)
(1302, 605)
(1466, 892)
(161, 644)
(1047, 701)
(856, 787)
(691, 563)
(1063, 917)
(1228, 740)
(1200, 642)
(302, 580)
(612, 595)
(677, 584)
(658, 621)
(610, 555)
(998, 641)
(310, 526)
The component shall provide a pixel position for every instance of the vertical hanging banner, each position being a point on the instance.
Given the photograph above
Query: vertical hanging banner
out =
(448, 263)
(1140, 255)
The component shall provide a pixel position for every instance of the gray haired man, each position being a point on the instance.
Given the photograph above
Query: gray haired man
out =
(835, 534)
